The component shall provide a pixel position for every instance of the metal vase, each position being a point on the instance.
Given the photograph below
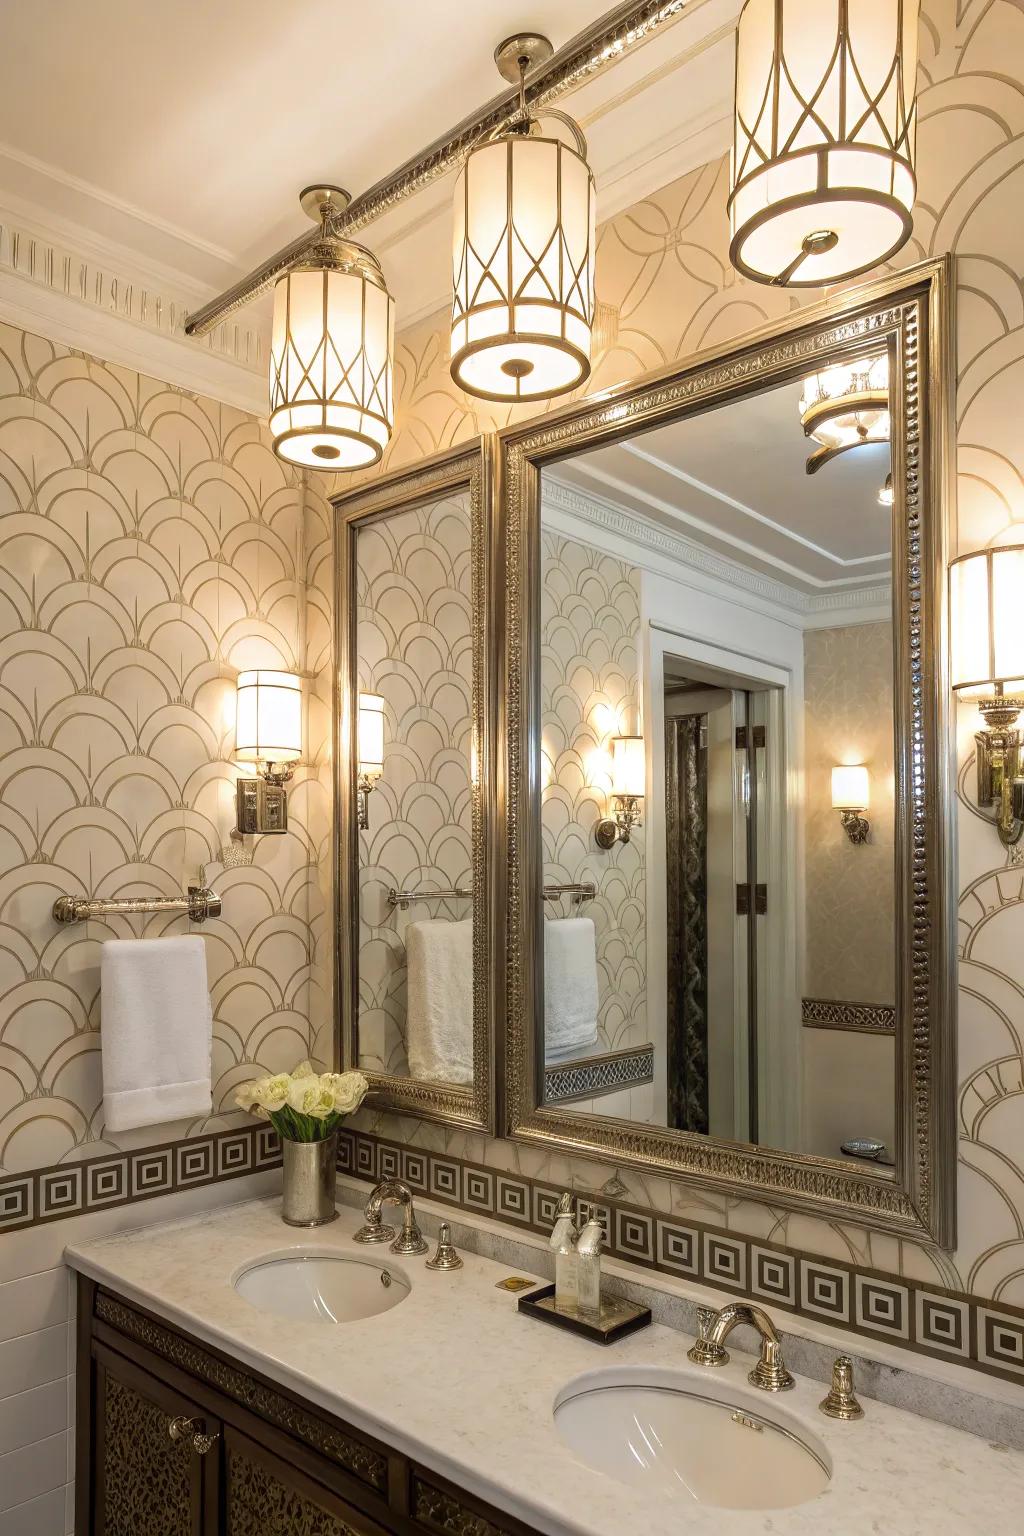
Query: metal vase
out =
(310, 1176)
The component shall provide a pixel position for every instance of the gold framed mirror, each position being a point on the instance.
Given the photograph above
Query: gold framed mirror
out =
(414, 750)
(697, 572)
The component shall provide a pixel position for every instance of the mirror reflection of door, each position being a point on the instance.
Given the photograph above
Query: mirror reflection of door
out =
(414, 678)
(720, 957)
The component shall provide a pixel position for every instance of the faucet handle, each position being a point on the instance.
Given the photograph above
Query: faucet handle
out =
(446, 1256)
(705, 1350)
(841, 1401)
(770, 1373)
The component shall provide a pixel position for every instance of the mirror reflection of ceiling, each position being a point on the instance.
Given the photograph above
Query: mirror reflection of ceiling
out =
(734, 481)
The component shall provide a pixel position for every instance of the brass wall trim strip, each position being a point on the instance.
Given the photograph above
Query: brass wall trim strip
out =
(838, 1013)
(612, 37)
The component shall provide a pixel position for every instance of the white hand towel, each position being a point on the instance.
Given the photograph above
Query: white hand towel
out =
(439, 994)
(570, 986)
(155, 1031)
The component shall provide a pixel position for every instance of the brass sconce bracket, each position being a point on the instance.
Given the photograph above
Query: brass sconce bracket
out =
(855, 825)
(998, 760)
(365, 785)
(617, 828)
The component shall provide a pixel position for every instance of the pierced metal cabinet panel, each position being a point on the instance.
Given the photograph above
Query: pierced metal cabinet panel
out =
(263, 1494)
(156, 1457)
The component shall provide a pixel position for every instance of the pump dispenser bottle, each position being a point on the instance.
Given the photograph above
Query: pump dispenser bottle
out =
(588, 1268)
(563, 1245)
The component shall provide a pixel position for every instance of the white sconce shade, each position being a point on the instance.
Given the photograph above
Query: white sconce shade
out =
(523, 269)
(850, 789)
(371, 735)
(986, 591)
(331, 353)
(823, 179)
(629, 769)
(268, 721)
(846, 406)
(886, 494)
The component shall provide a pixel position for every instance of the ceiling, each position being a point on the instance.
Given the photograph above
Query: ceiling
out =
(733, 480)
(181, 134)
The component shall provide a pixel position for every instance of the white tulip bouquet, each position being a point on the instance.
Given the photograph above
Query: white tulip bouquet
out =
(304, 1105)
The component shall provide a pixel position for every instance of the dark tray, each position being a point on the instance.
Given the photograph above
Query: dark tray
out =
(618, 1318)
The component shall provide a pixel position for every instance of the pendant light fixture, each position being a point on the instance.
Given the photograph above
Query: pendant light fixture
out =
(331, 352)
(846, 406)
(823, 179)
(523, 253)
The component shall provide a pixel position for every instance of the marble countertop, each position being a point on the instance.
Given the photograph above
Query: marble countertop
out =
(458, 1379)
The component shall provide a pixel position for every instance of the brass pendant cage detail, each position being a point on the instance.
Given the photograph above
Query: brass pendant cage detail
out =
(823, 179)
(523, 269)
(331, 386)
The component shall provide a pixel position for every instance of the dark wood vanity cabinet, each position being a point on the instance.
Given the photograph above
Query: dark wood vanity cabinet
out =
(176, 1439)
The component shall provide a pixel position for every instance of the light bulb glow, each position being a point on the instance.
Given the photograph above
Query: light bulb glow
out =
(850, 788)
(268, 717)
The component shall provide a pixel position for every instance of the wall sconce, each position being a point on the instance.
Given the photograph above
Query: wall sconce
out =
(849, 797)
(987, 638)
(370, 748)
(268, 732)
(629, 783)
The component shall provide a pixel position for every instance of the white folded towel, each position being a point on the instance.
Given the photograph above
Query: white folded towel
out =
(155, 1031)
(570, 986)
(439, 1000)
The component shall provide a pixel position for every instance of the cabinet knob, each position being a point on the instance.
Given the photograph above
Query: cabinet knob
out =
(181, 1427)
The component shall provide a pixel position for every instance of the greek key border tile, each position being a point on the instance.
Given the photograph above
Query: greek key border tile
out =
(923, 1318)
(836, 1013)
(125, 1178)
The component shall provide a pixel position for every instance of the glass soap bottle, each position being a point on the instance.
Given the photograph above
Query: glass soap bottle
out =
(563, 1245)
(588, 1268)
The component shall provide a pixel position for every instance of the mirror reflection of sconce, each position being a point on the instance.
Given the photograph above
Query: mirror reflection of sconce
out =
(987, 641)
(268, 732)
(850, 797)
(629, 784)
(370, 753)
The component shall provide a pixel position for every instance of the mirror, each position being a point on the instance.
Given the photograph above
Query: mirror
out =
(720, 651)
(728, 963)
(413, 744)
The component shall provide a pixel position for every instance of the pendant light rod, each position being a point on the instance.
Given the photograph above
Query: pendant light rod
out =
(614, 36)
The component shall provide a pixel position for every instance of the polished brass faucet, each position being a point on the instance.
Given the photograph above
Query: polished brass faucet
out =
(770, 1372)
(391, 1192)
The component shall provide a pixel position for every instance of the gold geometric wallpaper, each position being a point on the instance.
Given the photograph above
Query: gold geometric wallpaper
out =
(665, 290)
(850, 893)
(414, 646)
(151, 545)
(589, 680)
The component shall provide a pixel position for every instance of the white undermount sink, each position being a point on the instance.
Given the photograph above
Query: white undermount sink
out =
(320, 1287)
(705, 1440)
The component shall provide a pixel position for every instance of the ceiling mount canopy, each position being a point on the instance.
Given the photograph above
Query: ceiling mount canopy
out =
(523, 251)
(823, 179)
(331, 351)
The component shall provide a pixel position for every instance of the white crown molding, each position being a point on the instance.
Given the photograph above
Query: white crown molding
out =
(93, 296)
(658, 549)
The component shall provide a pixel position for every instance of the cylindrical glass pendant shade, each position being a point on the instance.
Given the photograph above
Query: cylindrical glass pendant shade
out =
(523, 268)
(331, 364)
(823, 179)
(846, 406)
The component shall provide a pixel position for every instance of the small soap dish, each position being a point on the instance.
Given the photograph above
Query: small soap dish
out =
(618, 1318)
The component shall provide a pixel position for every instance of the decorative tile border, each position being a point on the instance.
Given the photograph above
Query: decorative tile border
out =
(864, 1018)
(598, 1074)
(123, 1178)
(924, 1318)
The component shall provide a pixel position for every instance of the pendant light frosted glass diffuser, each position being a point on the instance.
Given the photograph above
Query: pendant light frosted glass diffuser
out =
(846, 406)
(523, 255)
(331, 358)
(823, 179)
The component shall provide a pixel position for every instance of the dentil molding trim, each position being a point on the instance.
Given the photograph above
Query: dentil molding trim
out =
(58, 281)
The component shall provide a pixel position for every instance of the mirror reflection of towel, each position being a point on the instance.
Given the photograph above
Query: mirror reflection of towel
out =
(439, 992)
(570, 986)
